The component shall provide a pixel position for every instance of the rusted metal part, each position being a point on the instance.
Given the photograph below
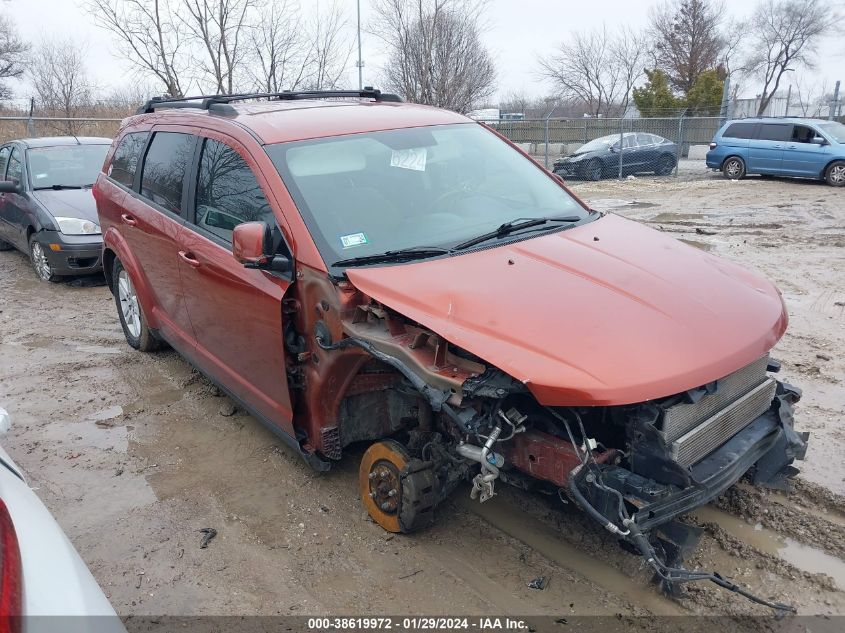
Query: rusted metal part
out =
(545, 456)
(330, 438)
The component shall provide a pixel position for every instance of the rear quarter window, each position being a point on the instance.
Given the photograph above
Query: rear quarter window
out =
(739, 130)
(126, 157)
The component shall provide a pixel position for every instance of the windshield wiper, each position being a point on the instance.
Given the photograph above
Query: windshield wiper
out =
(514, 225)
(58, 187)
(400, 255)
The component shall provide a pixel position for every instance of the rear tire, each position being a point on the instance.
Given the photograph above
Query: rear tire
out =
(129, 311)
(835, 174)
(734, 168)
(40, 264)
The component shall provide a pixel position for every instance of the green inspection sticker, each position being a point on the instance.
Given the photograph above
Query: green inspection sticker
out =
(353, 239)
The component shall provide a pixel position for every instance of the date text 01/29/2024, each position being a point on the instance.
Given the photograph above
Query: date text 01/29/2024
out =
(417, 623)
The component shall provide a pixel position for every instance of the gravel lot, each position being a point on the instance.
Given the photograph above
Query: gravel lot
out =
(136, 453)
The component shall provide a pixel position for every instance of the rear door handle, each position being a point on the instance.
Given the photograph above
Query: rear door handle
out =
(790, 147)
(128, 219)
(189, 259)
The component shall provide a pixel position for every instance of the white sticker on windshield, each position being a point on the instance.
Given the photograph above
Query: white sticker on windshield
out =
(413, 158)
(353, 240)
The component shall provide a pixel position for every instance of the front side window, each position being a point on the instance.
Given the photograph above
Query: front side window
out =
(4, 158)
(163, 175)
(364, 194)
(65, 166)
(228, 193)
(803, 134)
(126, 157)
(15, 169)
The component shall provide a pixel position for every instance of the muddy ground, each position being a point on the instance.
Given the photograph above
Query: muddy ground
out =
(135, 453)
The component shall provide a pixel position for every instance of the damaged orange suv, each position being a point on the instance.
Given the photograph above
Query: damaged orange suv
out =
(350, 268)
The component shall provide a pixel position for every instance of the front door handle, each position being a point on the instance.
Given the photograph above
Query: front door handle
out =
(790, 147)
(189, 259)
(128, 219)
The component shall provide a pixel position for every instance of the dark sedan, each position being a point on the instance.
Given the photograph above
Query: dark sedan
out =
(639, 153)
(47, 209)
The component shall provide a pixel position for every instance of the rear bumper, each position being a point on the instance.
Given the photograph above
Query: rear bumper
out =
(72, 254)
(713, 161)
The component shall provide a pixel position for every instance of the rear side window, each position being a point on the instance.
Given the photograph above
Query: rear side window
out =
(163, 175)
(775, 132)
(15, 169)
(126, 156)
(228, 193)
(4, 158)
(739, 130)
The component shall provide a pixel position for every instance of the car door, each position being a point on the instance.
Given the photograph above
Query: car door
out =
(15, 204)
(236, 312)
(152, 217)
(647, 150)
(5, 151)
(802, 157)
(765, 151)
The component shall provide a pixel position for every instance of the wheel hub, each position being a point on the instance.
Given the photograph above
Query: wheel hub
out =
(385, 487)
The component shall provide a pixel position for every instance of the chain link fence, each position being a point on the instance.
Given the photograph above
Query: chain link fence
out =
(597, 148)
(15, 127)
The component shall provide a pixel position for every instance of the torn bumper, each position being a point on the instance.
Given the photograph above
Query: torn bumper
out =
(768, 445)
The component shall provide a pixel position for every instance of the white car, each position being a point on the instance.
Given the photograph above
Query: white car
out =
(41, 574)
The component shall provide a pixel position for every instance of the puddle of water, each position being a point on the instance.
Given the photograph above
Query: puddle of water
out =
(813, 560)
(804, 557)
(704, 246)
(606, 204)
(107, 414)
(99, 349)
(669, 218)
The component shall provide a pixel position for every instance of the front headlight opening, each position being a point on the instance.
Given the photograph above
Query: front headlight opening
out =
(77, 226)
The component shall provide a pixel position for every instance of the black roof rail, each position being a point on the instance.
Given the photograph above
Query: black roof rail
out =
(219, 102)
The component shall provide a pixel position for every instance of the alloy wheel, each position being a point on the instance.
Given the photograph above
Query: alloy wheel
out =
(733, 169)
(129, 304)
(40, 263)
(837, 174)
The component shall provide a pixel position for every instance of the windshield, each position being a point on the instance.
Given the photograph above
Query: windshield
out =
(438, 186)
(834, 130)
(600, 144)
(65, 165)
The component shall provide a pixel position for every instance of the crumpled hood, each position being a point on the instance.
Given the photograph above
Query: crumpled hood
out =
(69, 203)
(607, 313)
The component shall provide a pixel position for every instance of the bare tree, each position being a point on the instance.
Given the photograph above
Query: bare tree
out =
(220, 28)
(687, 40)
(435, 53)
(811, 97)
(13, 51)
(149, 36)
(328, 48)
(597, 69)
(60, 79)
(784, 37)
(280, 54)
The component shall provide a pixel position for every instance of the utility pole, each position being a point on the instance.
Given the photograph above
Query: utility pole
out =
(360, 60)
(726, 92)
(834, 105)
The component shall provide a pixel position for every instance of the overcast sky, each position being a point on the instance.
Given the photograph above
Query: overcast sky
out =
(517, 32)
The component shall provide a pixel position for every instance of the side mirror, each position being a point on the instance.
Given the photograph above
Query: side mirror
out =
(252, 246)
(9, 186)
(250, 243)
(818, 140)
(614, 148)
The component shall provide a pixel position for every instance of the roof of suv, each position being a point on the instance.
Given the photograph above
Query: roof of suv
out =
(53, 141)
(778, 119)
(284, 121)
